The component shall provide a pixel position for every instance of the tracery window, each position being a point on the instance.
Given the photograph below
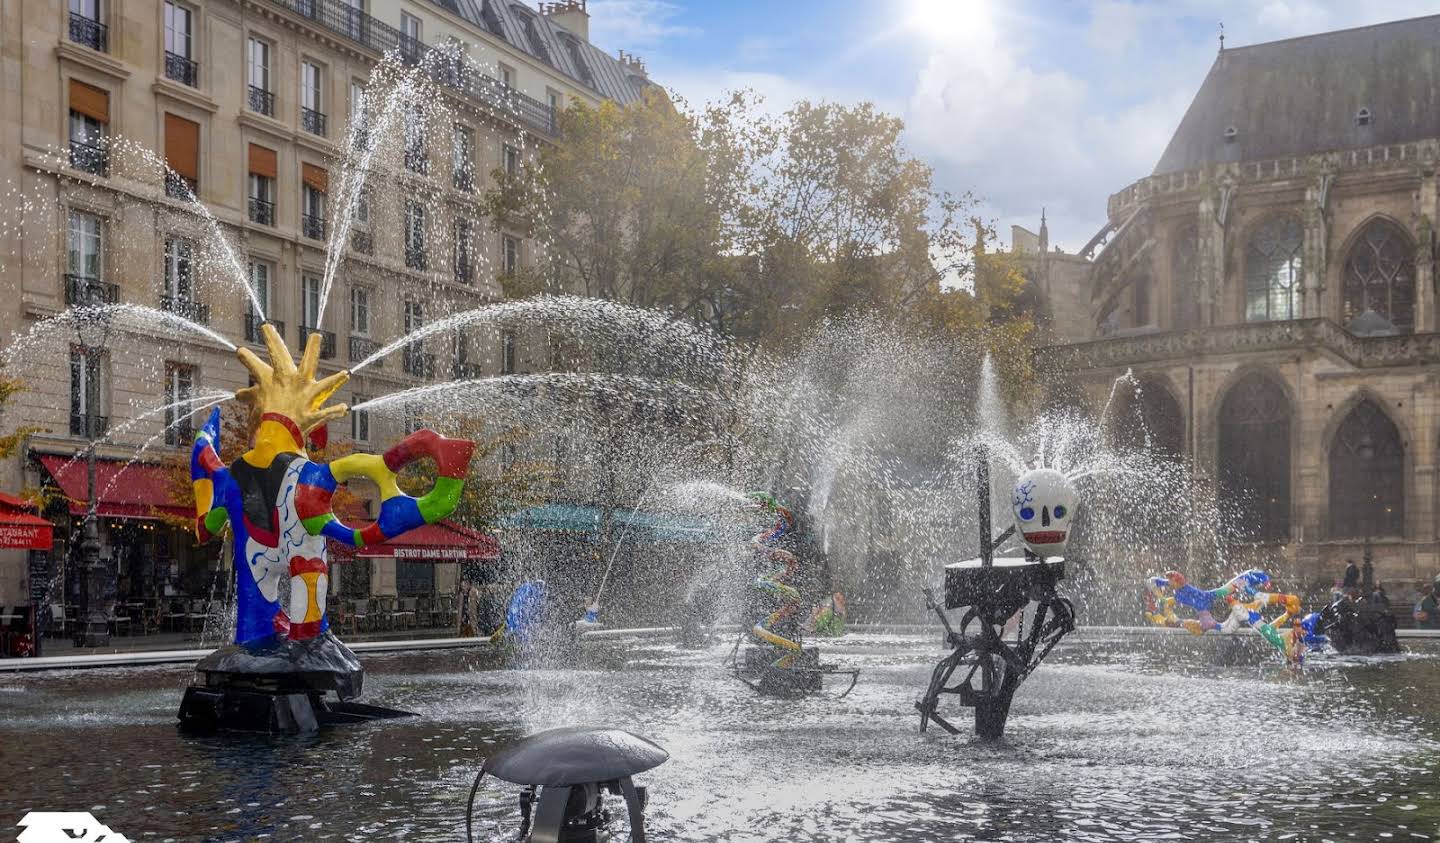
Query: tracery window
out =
(1254, 460)
(1185, 279)
(1367, 476)
(1380, 275)
(1272, 270)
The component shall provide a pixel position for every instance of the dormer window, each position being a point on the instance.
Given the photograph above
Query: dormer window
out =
(572, 47)
(1231, 133)
(1362, 117)
(532, 33)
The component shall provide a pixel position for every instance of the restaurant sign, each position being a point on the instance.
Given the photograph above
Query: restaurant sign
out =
(25, 536)
(432, 553)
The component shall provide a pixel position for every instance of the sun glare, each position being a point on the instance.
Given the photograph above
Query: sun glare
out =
(943, 20)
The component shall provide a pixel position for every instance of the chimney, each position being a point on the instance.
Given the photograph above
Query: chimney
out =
(633, 63)
(569, 14)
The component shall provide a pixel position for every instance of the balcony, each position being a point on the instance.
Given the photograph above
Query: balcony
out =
(81, 291)
(262, 101)
(1246, 337)
(89, 32)
(252, 327)
(180, 187)
(418, 363)
(362, 242)
(312, 121)
(415, 258)
(181, 69)
(362, 347)
(77, 425)
(186, 307)
(327, 341)
(90, 158)
(484, 90)
(262, 212)
(312, 227)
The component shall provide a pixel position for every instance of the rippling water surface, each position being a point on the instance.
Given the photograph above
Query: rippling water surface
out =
(1114, 739)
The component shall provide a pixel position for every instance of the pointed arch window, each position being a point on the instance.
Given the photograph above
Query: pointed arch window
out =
(1147, 418)
(1254, 460)
(1185, 279)
(1380, 275)
(1272, 270)
(1367, 476)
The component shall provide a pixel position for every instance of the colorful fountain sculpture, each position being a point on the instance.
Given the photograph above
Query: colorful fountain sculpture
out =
(995, 592)
(277, 504)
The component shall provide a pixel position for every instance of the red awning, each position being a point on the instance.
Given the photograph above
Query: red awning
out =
(125, 490)
(441, 542)
(21, 529)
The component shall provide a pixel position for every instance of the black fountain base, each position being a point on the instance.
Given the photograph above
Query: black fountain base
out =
(278, 686)
(998, 661)
(755, 666)
(1359, 629)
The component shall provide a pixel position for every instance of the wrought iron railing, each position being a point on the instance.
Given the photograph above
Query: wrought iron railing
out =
(252, 327)
(327, 340)
(262, 212)
(418, 363)
(89, 157)
(312, 227)
(262, 101)
(312, 121)
(1322, 334)
(89, 32)
(187, 307)
(182, 69)
(464, 272)
(465, 179)
(362, 347)
(362, 242)
(77, 425)
(416, 161)
(481, 88)
(415, 258)
(81, 290)
(180, 187)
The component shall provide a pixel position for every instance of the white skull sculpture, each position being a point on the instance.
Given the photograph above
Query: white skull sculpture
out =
(1044, 504)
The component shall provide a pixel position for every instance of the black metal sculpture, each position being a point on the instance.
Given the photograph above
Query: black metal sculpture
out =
(992, 591)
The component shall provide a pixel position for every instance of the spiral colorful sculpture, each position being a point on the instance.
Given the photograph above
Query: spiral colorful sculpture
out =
(1244, 602)
(776, 582)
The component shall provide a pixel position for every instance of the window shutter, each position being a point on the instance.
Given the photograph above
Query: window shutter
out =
(316, 177)
(90, 101)
(182, 146)
(262, 161)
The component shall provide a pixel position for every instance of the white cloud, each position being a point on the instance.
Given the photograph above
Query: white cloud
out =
(634, 24)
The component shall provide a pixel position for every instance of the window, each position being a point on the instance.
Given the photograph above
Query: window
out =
(532, 32)
(179, 395)
(1254, 460)
(414, 578)
(414, 129)
(262, 199)
(572, 46)
(464, 257)
(1272, 270)
(179, 294)
(359, 116)
(85, 246)
(510, 254)
(85, 25)
(352, 18)
(460, 356)
(360, 224)
(312, 114)
(1380, 275)
(410, 43)
(89, 393)
(510, 160)
(258, 67)
(314, 181)
(260, 272)
(1363, 117)
(359, 420)
(507, 75)
(89, 148)
(507, 353)
(182, 157)
(416, 361)
(309, 301)
(415, 235)
(1367, 476)
(462, 158)
(179, 44)
(360, 311)
(1185, 279)
(414, 316)
(1147, 418)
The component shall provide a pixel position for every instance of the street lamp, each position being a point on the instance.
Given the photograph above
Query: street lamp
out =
(92, 328)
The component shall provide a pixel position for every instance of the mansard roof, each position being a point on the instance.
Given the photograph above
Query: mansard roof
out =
(1306, 95)
(554, 45)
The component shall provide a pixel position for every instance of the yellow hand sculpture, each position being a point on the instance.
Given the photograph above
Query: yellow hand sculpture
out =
(282, 388)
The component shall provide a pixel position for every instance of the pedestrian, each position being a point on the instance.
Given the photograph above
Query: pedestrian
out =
(1352, 575)
(1427, 612)
(1367, 575)
(1379, 599)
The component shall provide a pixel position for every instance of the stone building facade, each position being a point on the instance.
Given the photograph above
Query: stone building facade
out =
(1272, 285)
(250, 104)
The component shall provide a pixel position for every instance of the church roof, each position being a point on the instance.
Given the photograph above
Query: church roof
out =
(1305, 95)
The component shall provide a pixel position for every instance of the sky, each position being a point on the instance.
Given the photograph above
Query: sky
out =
(1029, 104)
